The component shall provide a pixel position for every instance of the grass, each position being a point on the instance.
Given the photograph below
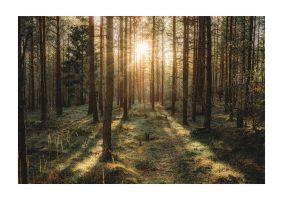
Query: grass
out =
(69, 149)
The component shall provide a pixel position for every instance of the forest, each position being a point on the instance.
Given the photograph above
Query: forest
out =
(141, 99)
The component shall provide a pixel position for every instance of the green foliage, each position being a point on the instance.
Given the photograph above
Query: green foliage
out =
(74, 66)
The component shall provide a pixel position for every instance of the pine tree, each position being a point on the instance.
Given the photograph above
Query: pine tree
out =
(208, 76)
(109, 92)
(58, 69)
(92, 92)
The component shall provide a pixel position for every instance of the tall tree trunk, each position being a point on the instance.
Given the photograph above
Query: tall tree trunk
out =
(43, 88)
(32, 67)
(130, 66)
(163, 64)
(194, 85)
(152, 64)
(174, 72)
(230, 70)
(92, 108)
(135, 62)
(82, 77)
(109, 92)
(101, 67)
(125, 95)
(208, 76)
(22, 162)
(248, 74)
(156, 60)
(121, 62)
(58, 69)
(201, 61)
(185, 71)
(240, 117)
(226, 67)
(216, 59)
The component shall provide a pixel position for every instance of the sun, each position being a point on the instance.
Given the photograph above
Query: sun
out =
(142, 49)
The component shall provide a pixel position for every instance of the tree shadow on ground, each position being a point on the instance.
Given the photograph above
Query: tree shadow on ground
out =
(242, 150)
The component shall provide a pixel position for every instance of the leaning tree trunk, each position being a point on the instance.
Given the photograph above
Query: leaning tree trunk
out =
(109, 92)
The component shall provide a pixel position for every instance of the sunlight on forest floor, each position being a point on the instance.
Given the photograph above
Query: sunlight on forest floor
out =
(150, 147)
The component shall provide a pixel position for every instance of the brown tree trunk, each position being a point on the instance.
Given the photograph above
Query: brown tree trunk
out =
(185, 70)
(92, 108)
(109, 92)
(174, 72)
(32, 67)
(152, 64)
(134, 62)
(58, 69)
(121, 62)
(194, 85)
(130, 66)
(216, 59)
(43, 88)
(101, 67)
(226, 97)
(125, 95)
(207, 118)
(82, 77)
(240, 117)
(201, 61)
(156, 60)
(230, 70)
(163, 64)
(22, 162)
(248, 74)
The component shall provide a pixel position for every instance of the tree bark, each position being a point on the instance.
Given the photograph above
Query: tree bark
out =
(163, 64)
(240, 117)
(130, 66)
(32, 67)
(201, 61)
(22, 163)
(43, 89)
(125, 102)
(185, 71)
(194, 85)
(208, 76)
(101, 67)
(230, 99)
(248, 74)
(58, 69)
(121, 62)
(92, 92)
(174, 72)
(109, 92)
(152, 64)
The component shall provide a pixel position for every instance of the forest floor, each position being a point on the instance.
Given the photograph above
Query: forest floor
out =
(149, 147)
